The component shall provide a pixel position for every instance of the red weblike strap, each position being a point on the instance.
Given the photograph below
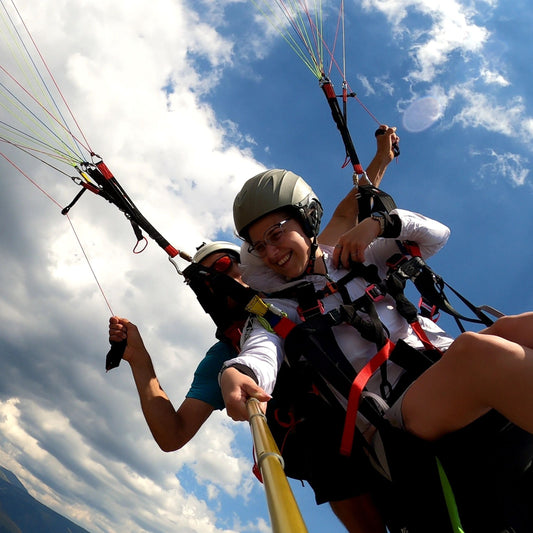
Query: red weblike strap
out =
(358, 385)
(421, 334)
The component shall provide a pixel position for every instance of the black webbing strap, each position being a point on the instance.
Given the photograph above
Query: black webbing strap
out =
(371, 199)
(431, 287)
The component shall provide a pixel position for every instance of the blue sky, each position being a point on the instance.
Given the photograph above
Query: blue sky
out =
(185, 101)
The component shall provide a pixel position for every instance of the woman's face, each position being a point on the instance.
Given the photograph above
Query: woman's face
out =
(290, 255)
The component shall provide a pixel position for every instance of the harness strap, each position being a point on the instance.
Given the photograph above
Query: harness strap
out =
(359, 383)
(421, 334)
(431, 286)
(371, 199)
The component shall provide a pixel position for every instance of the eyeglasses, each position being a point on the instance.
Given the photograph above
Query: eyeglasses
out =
(272, 236)
(223, 264)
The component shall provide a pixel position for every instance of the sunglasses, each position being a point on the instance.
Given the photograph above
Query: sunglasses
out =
(223, 264)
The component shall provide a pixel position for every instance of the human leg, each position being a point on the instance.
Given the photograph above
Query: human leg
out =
(479, 372)
(516, 328)
(359, 514)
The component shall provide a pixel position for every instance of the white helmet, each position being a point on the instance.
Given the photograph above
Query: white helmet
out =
(206, 249)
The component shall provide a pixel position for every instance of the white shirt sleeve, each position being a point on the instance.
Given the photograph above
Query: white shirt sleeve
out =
(262, 352)
(429, 234)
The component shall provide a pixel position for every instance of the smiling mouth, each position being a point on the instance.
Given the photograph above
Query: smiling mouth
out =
(283, 260)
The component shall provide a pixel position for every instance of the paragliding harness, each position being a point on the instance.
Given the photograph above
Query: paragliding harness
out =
(214, 290)
(415, 473)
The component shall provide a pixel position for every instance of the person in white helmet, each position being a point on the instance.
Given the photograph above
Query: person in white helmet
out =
(174, 428)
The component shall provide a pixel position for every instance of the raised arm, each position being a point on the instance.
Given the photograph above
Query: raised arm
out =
(345, 215)
(384, 154)
(171, 429)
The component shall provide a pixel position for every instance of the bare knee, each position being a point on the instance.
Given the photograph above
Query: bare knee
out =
(502, 326)
(468, 349)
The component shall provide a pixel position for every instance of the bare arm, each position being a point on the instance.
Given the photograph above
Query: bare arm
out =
(171, 429)
(384, 155)
(345, 215)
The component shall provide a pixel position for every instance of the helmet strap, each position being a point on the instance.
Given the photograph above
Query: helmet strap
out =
(312, 257)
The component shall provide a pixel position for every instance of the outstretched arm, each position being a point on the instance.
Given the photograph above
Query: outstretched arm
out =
(384, 154)
(171, 429)
(345, 215)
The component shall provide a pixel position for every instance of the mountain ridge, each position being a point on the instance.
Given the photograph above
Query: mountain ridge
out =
(22, 513)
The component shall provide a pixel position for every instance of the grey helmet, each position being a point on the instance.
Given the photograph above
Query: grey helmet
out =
(271, 191)
(206, 249)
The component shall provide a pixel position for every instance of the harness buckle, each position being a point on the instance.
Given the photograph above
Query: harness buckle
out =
(411, 268)
(395, 261)
(427, 310)
(311, 311)
(374, 293)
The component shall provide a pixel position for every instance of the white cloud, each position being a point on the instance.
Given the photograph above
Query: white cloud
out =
(366, 84)
(481, 110)
(494, 77)
(135, 74)
(509, 167)
(451, 28)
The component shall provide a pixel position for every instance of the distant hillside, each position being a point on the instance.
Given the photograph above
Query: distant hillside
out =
(21, 513)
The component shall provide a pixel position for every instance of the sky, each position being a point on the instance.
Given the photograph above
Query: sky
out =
(185, 101)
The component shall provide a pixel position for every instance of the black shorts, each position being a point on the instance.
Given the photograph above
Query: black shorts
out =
(335, 477)
(309, 437)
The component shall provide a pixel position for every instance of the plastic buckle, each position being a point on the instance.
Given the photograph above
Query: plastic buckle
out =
(411, 268)
(395, 261)
(374, 293)
(428, 310)
(318, 309)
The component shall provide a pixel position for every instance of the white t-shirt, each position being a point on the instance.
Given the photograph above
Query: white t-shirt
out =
(262, 350)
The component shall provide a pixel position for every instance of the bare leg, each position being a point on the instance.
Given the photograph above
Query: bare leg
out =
(478, 372)
(359, 515)
(515, 328)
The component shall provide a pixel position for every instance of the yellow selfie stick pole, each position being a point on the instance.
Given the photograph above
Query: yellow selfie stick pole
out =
(284, 513)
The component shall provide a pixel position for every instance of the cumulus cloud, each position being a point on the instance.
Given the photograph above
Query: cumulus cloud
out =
(481, 110)
(135, 74)
(451, 28)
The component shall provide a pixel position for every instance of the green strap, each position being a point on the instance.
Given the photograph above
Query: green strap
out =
(451, 505)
